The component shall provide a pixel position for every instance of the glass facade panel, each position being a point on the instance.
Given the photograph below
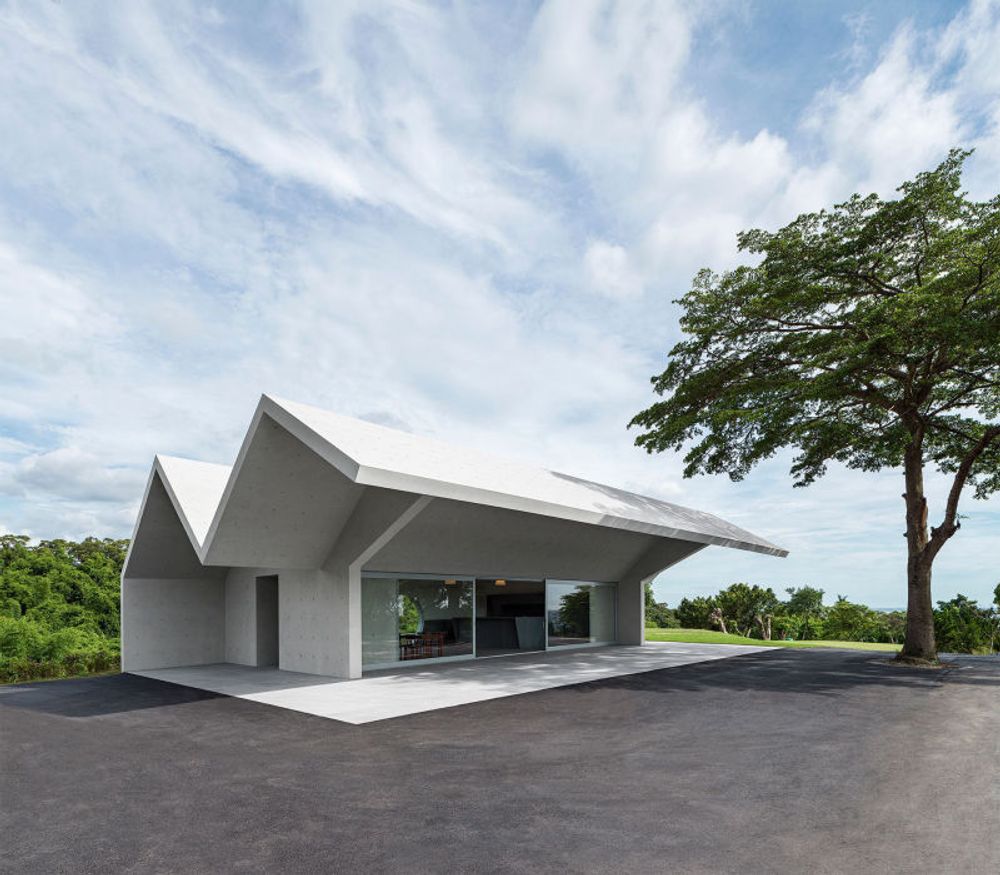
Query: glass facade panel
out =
(603, 601)
(510, 616)
(579, 613)
(414, 618)
(407, 618)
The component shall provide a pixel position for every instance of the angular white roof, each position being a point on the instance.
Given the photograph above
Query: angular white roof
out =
(196, 489)
(373, 455)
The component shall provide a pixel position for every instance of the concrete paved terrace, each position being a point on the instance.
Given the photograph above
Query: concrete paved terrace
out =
(780, 761)
(412, 688)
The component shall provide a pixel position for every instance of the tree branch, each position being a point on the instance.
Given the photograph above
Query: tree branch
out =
(948, 527)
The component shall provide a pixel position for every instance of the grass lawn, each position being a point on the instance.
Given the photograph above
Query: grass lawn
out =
(706, 636)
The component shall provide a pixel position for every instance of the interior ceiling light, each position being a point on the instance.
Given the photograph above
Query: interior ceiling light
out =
(450, 582)
(500, 582)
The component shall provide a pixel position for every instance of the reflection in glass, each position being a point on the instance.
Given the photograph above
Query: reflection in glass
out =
(580, 613)
(410, 618)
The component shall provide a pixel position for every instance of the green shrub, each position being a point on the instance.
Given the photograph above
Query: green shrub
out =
(21, 669)
(59, 613)
(961, 626)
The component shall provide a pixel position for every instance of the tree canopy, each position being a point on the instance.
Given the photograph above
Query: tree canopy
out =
(58, 606)
(860, 326)
(867, 334)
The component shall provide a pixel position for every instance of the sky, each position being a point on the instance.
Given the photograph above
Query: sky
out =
(468, 221)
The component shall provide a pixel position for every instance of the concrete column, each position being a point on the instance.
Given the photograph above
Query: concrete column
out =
(376, 520)
(631, 611)
(632, 587)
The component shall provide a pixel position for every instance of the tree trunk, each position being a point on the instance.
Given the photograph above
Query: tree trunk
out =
(918, 643)
(719, 620)
(765, 627)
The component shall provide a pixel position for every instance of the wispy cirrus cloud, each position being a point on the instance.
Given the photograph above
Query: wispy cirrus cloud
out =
(467, 219)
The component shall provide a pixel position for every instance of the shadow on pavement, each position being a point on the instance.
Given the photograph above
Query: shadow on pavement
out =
(823, 671)
(97, 696)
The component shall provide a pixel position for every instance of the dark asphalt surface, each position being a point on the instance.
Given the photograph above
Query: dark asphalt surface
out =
(786, 761)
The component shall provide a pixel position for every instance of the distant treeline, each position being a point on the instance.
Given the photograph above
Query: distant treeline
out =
(961, 625)
(58, 607)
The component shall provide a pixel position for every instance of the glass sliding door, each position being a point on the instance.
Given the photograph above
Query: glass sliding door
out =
(579, 613)
(414, 618)
(510, 616)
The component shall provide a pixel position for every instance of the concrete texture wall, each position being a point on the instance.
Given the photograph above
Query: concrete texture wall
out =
(312, 608)
(286, 507)
(313, 619)
(160, 546)
(451, 537)
(241, 627)
(172, 622)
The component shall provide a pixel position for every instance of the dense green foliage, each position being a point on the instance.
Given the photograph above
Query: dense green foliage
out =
(867, 334)
(58, 607)
(961, 626)
(747, 611)
(658, 614)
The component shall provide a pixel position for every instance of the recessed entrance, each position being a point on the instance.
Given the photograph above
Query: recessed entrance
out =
(510, 616)
(267, 621)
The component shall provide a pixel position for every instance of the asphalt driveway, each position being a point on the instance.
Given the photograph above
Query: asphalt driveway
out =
(819, 761)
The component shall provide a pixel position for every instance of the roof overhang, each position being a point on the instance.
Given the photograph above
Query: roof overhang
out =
(301, 471)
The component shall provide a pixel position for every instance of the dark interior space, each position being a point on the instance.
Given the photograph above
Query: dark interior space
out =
(510, 616)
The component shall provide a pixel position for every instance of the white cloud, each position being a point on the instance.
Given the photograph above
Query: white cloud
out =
(71, 473)
(610, 271)
(892, 123)
(391, 210)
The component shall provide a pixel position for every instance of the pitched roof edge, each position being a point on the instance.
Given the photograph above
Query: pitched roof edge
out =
(414, 483)
(386, 479)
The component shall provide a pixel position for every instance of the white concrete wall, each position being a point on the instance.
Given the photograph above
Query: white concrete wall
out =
(286, 507)
(241, 616)
(463, 539)
(311, 619)
(170, 622)
(313, 622)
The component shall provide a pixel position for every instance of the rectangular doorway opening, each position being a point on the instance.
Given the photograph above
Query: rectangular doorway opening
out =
(510, 616)
(267, 621)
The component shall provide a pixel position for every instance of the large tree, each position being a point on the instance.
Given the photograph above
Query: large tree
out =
(867, 334)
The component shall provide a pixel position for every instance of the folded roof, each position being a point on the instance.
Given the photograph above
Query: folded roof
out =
(373, 455)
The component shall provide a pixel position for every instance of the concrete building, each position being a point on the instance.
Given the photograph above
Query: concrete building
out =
(334, 546)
